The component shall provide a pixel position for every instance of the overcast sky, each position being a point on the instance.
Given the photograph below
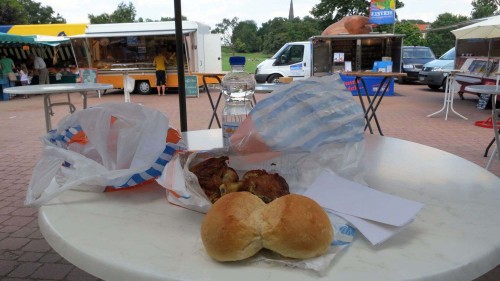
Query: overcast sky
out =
(212, 12)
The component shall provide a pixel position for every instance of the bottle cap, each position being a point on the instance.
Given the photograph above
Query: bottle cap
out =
(237, 60)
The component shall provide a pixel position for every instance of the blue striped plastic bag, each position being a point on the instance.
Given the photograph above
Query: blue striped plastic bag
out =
(302, 116)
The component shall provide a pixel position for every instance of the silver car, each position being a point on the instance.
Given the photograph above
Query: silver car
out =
(434, 73)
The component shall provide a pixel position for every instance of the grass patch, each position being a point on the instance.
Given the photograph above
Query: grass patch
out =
(252, 59)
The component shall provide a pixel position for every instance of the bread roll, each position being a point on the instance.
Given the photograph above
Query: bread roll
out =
(295, 226)
(226, 232)
(240, 224)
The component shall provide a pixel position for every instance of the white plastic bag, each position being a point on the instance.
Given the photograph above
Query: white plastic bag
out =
(109, 145)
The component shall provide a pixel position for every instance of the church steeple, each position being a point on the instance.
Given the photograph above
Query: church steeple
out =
(290, 13)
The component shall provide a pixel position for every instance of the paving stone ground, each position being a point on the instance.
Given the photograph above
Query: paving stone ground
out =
(24, 253)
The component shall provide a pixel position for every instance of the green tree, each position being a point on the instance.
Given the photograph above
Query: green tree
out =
(123, 13)
(27, 12)
(441, 39)
(12, 12)
(278, 31)
(483, 8)
(330, 11)
(245, 35)
(413, 37)
(37, 13)
(225, 28)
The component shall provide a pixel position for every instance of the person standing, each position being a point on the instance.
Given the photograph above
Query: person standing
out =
(40, 66)
(23, 77)
(160, 62)
(8, 66)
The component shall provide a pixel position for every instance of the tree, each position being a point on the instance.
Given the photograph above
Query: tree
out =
(413, 37)
(12, 12)
(330, 11)
(483, 8)
(27, 12)
(278, 31)
(225, 28)
(245, 37)
(37, 13)
(123, 13)
(442, 39)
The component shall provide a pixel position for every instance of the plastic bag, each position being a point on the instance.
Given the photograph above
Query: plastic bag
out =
(116, 145)
(298, 131)
(301, 116)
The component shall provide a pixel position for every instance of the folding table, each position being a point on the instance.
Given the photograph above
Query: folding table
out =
(374, 101)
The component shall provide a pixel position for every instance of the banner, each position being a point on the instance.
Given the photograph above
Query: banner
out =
(382, 11)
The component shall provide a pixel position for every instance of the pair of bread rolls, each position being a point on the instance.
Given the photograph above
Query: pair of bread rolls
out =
(240, 224)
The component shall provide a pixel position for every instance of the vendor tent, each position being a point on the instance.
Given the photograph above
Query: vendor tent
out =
(47, 47)
(487, 28)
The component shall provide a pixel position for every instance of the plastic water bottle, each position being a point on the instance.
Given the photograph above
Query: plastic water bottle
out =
(238, 88)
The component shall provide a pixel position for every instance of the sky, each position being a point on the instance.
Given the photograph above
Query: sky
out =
(212, 12)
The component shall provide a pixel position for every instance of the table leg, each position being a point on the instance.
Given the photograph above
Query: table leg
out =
(357, 79)
(84, 97)
(448, 98)
(216, 105)
(378, 97)
(495, 112)
(373, 103)
(47, 109)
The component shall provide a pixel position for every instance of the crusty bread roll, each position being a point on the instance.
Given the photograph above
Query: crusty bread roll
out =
(226, 232)
(295, 226)
(239, 224)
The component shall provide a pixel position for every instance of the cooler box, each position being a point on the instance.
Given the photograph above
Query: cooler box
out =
(372, 83)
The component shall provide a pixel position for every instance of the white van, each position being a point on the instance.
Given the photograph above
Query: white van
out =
(292, 60)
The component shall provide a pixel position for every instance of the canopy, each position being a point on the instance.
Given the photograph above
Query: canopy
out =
(12, 39)
(488, 28)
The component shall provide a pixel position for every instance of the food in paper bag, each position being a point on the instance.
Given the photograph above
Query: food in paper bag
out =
(240, 224)
(217, 179)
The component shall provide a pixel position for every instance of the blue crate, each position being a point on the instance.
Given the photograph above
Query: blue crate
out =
(372, 83)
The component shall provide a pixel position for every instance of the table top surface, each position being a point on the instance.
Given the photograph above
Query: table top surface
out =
(374, 74)
(137, 235)
(484, 89)
(57, 88)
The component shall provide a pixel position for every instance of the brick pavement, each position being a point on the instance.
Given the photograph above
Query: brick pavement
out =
(25, 255)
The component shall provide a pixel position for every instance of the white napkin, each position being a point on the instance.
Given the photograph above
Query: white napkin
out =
(377, 215)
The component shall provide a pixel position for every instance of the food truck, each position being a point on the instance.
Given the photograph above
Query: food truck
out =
(326, 54)
(118, 50)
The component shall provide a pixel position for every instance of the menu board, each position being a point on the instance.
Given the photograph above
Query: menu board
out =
(191, 85)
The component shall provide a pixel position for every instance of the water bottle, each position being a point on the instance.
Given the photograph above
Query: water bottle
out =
(238, 88)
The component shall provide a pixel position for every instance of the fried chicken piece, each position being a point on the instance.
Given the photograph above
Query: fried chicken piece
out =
(266, 186)
(213, 172)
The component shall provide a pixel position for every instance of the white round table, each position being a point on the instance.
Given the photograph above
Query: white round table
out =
(137, 235)
(51, 89)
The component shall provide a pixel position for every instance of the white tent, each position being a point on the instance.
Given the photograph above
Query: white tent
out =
(487, 28)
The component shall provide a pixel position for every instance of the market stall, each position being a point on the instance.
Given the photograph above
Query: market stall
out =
(57, 53)
(478, 53)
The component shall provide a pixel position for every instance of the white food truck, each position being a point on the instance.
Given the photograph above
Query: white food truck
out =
(326, 54)
(118, 49)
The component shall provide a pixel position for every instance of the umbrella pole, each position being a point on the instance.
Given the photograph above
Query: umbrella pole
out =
(180, 65)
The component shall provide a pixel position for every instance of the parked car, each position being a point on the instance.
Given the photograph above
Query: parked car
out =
(412, 61)
(434, 73)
